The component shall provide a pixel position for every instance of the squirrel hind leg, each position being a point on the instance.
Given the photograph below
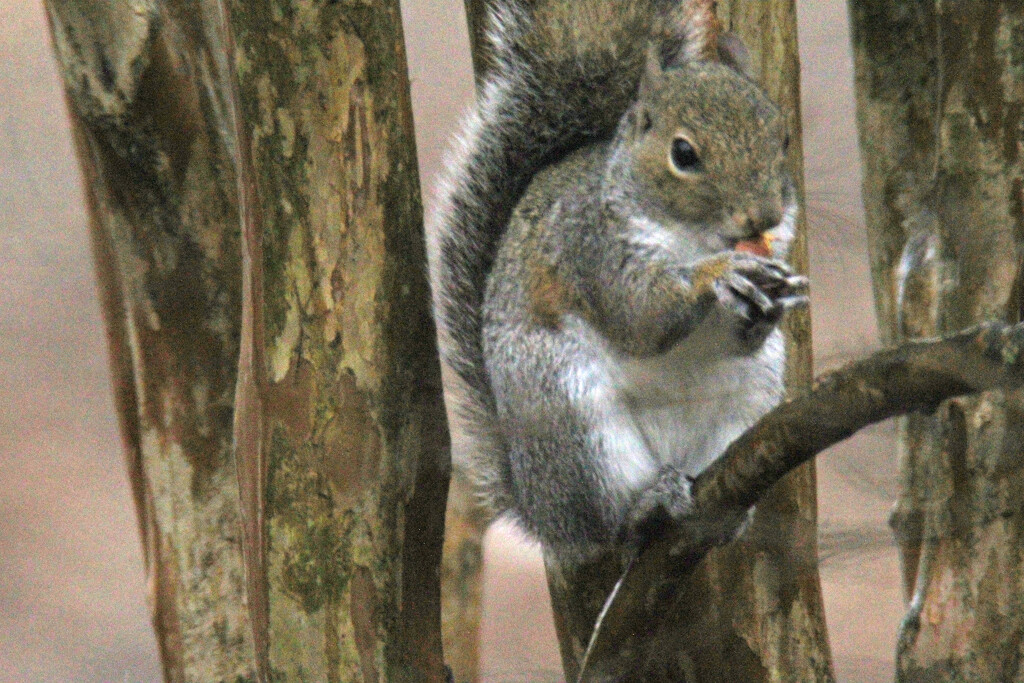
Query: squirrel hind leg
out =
(576, 458)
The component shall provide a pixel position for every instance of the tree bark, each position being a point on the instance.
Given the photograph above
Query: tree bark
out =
(462, 577)
(476, 17)
(250, 172)
(752, 611)
(940, 93)
(159, 184)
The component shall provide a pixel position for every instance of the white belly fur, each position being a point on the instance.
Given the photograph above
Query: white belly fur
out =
(684, 407)
(692, 402)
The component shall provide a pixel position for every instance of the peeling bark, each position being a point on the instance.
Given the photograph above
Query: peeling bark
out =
(940, 90)
(347, 476)
(278, 387)
(163, 216)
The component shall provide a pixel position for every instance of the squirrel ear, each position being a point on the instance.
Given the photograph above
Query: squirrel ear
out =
(654, 71)
(732, 52)
(655, 66)
(696, 29)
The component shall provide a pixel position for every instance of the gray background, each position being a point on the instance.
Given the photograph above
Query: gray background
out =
(72, 605)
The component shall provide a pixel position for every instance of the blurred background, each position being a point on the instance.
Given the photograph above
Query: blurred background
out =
(72, 594)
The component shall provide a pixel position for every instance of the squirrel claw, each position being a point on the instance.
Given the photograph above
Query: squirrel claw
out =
(759, 291)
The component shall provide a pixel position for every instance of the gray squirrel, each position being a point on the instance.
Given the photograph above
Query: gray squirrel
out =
(608, 274)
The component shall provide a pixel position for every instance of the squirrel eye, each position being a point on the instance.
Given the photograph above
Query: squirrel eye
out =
(684, 156)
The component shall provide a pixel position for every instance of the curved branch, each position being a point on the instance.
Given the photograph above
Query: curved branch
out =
(917, 376)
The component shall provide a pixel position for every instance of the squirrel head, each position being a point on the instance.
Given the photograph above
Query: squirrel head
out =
(703, 147)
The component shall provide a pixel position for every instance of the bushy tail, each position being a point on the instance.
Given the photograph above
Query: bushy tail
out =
(564, 72)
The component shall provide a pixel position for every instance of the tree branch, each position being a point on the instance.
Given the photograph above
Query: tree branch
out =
(917, 376)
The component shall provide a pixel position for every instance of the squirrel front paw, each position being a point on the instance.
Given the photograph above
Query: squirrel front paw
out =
(758, 291)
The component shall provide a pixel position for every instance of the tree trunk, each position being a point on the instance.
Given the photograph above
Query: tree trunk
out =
(752, 611)
(462, 578)
(277, 382)
(476, 17)
(940, 93)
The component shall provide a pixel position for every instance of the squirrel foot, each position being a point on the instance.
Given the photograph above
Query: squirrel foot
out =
(666, 507)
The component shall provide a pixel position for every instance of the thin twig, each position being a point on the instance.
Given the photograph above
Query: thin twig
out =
(609, 601)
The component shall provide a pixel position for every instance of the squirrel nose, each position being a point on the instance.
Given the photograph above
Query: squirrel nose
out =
(759, 219)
